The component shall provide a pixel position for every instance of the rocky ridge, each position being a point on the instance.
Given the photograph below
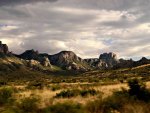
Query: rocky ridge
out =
(68, 60)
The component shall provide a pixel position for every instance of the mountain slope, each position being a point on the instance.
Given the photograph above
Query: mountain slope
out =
(69, 60)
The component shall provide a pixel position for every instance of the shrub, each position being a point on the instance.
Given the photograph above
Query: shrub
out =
(3, 83)
(68, 93)
(28, 105)
(5, 95)
(67, 107)
(125, 101)
(76, 92)
(112, 103)
(139, 90)
(35, 85)
(55, 87)
(87, 92)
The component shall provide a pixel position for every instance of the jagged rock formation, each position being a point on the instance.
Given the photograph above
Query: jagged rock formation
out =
(3, 48)
(32, 63)
(105, 61)
(32, 55)
(68, 60)
(64, 58)
(45, 62)
(92, 61)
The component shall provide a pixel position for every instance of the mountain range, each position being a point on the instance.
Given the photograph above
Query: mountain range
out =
(64, 60)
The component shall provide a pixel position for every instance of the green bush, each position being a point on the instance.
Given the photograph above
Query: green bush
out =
(3, 83)
(5, 95)
(87, 92)
(28, 105)
(55, 87)
(68, 93)
(76, 92)
(125, 101)
(68, 107)
(139, 90)
(35, 85)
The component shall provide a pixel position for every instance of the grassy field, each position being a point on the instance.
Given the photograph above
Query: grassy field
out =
(46, 96)
(108, 91)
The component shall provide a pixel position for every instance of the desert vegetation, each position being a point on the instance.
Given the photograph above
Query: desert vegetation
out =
(97, 91)
(133, 97)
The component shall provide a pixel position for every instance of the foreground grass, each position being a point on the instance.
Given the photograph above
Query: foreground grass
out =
(134, 99)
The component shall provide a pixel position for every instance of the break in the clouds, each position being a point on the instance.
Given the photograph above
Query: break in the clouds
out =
(87, 27)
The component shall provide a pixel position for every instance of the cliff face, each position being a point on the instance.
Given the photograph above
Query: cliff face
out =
(68, 60)
(32, 55)
(4, 48)
(105, 61)
(64, 57)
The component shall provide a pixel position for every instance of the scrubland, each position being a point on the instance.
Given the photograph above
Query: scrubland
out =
(120, 91)
(76, 98)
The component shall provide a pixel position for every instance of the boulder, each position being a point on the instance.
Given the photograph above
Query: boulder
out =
(32, 63)
(45, 62)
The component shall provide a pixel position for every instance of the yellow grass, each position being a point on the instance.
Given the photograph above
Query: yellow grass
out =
(47, 96)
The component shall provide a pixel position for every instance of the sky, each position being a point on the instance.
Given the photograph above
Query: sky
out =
(86, 27)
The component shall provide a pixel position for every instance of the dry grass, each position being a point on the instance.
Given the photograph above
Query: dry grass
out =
(47, 95)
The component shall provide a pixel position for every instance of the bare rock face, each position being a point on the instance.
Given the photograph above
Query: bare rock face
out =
(108, 60)
(68, 60)
(4, 48)
(108, 56)
(102, 64)
(64, 58)
(75, 66)
(32, 63)
(32, 55)
(45, 62)
(91, 61)
(105, 61)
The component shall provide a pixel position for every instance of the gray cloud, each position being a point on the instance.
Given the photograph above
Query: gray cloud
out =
(17, 2)
(87, 27)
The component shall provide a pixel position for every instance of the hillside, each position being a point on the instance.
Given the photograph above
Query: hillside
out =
(67, 63)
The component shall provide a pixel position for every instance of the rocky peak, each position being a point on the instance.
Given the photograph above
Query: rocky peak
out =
(30, 54)
(108, 56)
(68, 60)
(33, 55)
(68, 55)
(107, 60)
(64, 57)
(142, 61)
(3, 48)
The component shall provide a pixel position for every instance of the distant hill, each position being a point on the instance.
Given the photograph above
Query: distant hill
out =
(64, 60)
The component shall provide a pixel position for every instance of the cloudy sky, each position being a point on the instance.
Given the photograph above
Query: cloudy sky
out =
(87, 27)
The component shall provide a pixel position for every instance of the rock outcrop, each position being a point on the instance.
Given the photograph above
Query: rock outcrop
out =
(3, 48)
(32, 55)
(107, 60)
(68, 60)
(45, 62)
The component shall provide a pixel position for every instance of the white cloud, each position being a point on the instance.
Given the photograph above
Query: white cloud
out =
(87, 27)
